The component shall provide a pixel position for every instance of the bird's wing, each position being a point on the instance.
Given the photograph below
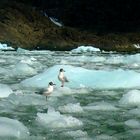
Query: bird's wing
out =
(46, 93)
(66, 80)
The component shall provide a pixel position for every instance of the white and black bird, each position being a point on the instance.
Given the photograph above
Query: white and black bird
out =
(62, 78)
(49, 90)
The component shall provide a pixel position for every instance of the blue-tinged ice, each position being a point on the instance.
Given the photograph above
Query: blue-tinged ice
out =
(12, 128)
(81, 77)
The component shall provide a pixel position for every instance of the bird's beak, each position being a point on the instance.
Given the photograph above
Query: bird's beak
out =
(54, 84)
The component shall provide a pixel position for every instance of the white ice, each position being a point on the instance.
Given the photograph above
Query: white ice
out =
(81, 49)
(21, 50)
(105, 137)
(53, 119)
(5, 90)
(131, 98)
(27, 99)
(135, 111)
(81, 77)
(5, 47)
(132, 123)
(76, 134)
(104, 106)
(71, 108)
(12, 128)
(23, 69)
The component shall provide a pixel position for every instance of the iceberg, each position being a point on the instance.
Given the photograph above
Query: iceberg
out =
(5, 90)
(12, 128)
(81, 77)
(81, 49)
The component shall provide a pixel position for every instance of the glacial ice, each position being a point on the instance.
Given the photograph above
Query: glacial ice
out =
(81, 49)
(105, 137)
(27, 99)
(76, 134)
(53, 119)
(79, 77)
(12, 128)
(5, 47)
(71, 108)
(23, 69)
(5, 90)
(131, 98)
(132, 123)
(104, 106)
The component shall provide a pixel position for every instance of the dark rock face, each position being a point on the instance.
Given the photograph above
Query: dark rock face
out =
(23, 24)
(99, 15)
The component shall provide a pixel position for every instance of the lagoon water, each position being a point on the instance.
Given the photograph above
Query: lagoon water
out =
(101, 101)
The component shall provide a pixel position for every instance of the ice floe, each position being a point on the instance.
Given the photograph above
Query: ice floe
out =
(80, 77)
(131, 98)
(104, 106)
(27, 99)
(5, 47)
(5, 90)
(23, 69)
(132, 123)
(54, 119)
(12, 128)
(71, 108)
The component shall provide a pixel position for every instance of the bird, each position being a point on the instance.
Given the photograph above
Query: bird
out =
(50, 89)
(62, 78)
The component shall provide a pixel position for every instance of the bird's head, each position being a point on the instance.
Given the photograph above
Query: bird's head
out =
(62, 70)
(51, 83)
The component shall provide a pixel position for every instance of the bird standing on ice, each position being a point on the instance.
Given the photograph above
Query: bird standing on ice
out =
(62, 77)
(49, 89)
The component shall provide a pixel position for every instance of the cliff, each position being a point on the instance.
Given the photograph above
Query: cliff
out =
(22, 25)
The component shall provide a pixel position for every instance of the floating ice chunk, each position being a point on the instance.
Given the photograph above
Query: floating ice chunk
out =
(54, 119)
(76, 134)
(131, 98)
(23, 69)
(105, 137)
(78, 76)
(5, 47)
(71, 108)
(12, 128)
(62, 91)
(135, 111)
(81, 49)
(132, 123)
(27, 99)
(21, 50)
(5, 90)
(104, 106)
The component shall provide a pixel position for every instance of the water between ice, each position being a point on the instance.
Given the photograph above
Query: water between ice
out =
(101, 101)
